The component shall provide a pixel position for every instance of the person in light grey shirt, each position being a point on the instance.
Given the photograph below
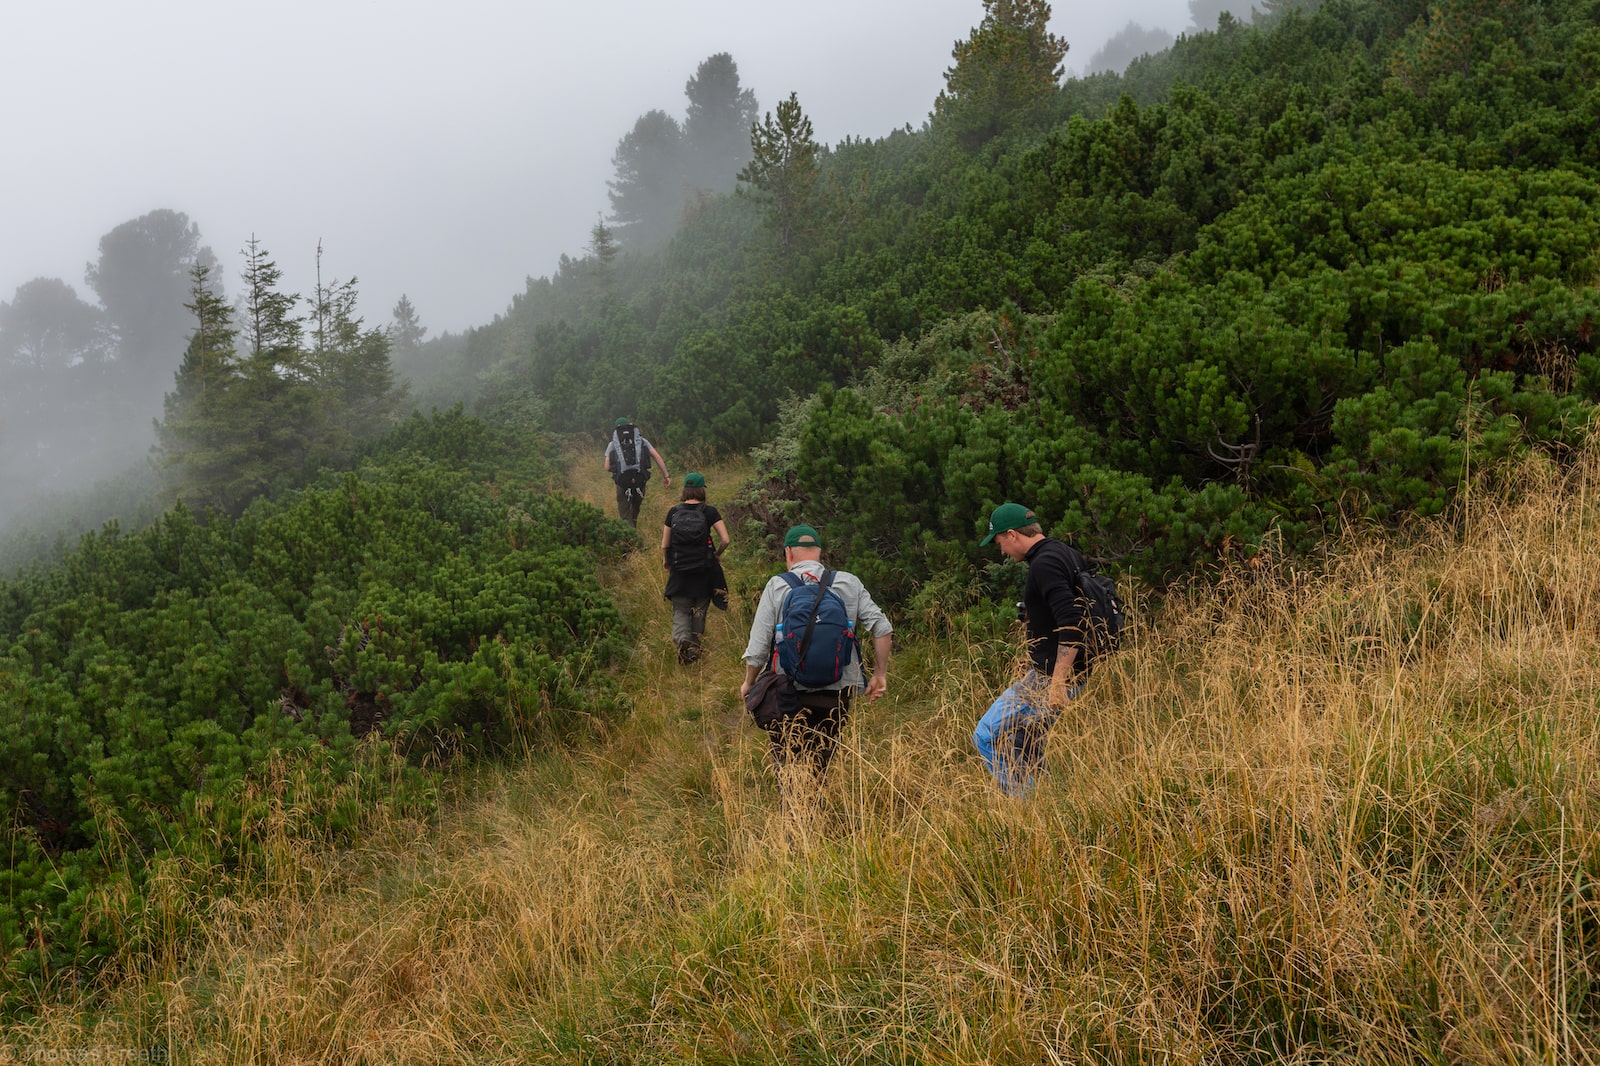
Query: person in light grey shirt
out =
(807, 736)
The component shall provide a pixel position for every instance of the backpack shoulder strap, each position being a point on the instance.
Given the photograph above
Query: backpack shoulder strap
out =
(816, 609)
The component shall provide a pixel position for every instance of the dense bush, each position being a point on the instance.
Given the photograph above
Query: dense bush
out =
(420, 604)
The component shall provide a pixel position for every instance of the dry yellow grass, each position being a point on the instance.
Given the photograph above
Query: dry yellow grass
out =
(1342, 815)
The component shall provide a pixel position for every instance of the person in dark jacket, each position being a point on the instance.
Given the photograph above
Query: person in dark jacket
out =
(694, 572)
(1011, 734)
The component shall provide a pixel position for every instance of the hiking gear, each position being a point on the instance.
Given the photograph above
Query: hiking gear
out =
(1057, 613)
(1106, 616)
(766, 700)
(815, 637)
(1006, 517)
(690, 538)
(632, 468)
(801, 537)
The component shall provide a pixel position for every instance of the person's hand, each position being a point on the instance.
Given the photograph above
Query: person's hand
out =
(877, 685)
(1058, 692)
(744, 689)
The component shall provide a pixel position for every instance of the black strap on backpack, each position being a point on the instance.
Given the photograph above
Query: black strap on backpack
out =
(811, 624)
(816, 608)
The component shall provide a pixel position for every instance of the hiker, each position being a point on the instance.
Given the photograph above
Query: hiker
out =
(694, 571)
(1011, 734)
(628, 458)
(824, 680)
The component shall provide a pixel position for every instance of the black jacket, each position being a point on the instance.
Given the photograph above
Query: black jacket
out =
(1056, 615)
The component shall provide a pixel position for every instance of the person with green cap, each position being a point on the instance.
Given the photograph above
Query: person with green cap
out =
(1011, 734)
(803, 741)
(628, 457)
(694, 573)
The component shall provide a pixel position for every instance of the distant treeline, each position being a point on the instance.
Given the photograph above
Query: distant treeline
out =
(167, 391)
(81, 382)
(1281, 275)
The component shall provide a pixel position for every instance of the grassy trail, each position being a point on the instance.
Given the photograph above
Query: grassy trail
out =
(709, 687)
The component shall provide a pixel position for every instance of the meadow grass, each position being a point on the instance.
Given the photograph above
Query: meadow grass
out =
(1342, 812)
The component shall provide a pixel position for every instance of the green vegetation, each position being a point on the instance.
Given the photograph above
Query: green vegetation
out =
(1305, 307)
(425, 604)
(301, 395)
(1346, 813)
(1273, 279)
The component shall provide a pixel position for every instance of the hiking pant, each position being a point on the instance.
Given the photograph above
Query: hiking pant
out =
(628, 501)
(1011, 734)
(802, 746)
(688, 621)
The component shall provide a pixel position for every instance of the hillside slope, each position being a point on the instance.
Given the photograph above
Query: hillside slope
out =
(1345, 814)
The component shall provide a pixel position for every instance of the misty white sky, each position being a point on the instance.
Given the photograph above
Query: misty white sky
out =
(444, 149)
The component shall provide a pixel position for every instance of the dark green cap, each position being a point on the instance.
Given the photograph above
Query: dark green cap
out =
(694, 481)
(1008, 516)
(619, 423)
(801, 537)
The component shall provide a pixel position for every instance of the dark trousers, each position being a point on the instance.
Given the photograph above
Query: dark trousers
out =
(628, 501)
(805, 740)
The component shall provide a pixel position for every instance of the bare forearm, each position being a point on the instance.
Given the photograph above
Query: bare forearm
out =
(881, 647)
(1066, 656)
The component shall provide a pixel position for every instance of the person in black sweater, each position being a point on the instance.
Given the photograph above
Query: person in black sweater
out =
(1011, 734)
(694, 573)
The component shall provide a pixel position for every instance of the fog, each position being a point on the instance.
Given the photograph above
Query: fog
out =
(444, 151)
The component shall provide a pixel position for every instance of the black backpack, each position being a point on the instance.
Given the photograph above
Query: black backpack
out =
(633, 467)
(689, 541)
(1106, 616)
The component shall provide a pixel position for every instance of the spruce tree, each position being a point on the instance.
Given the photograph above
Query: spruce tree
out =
(783, 169)
(197, 445)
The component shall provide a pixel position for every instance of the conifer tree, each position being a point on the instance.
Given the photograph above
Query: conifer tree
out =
(406, 331)
(1006, 72)
(783, 169)
(271, 327)
(647, 194)
(350, 369)
(197, 447)
(716, 124)
(602, 243)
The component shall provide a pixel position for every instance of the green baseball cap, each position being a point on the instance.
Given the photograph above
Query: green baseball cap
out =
(694, 481)
(801, 537)
(619, 423)
(1006, 517)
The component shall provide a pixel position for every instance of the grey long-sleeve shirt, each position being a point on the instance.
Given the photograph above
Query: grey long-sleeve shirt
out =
(870, 621)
